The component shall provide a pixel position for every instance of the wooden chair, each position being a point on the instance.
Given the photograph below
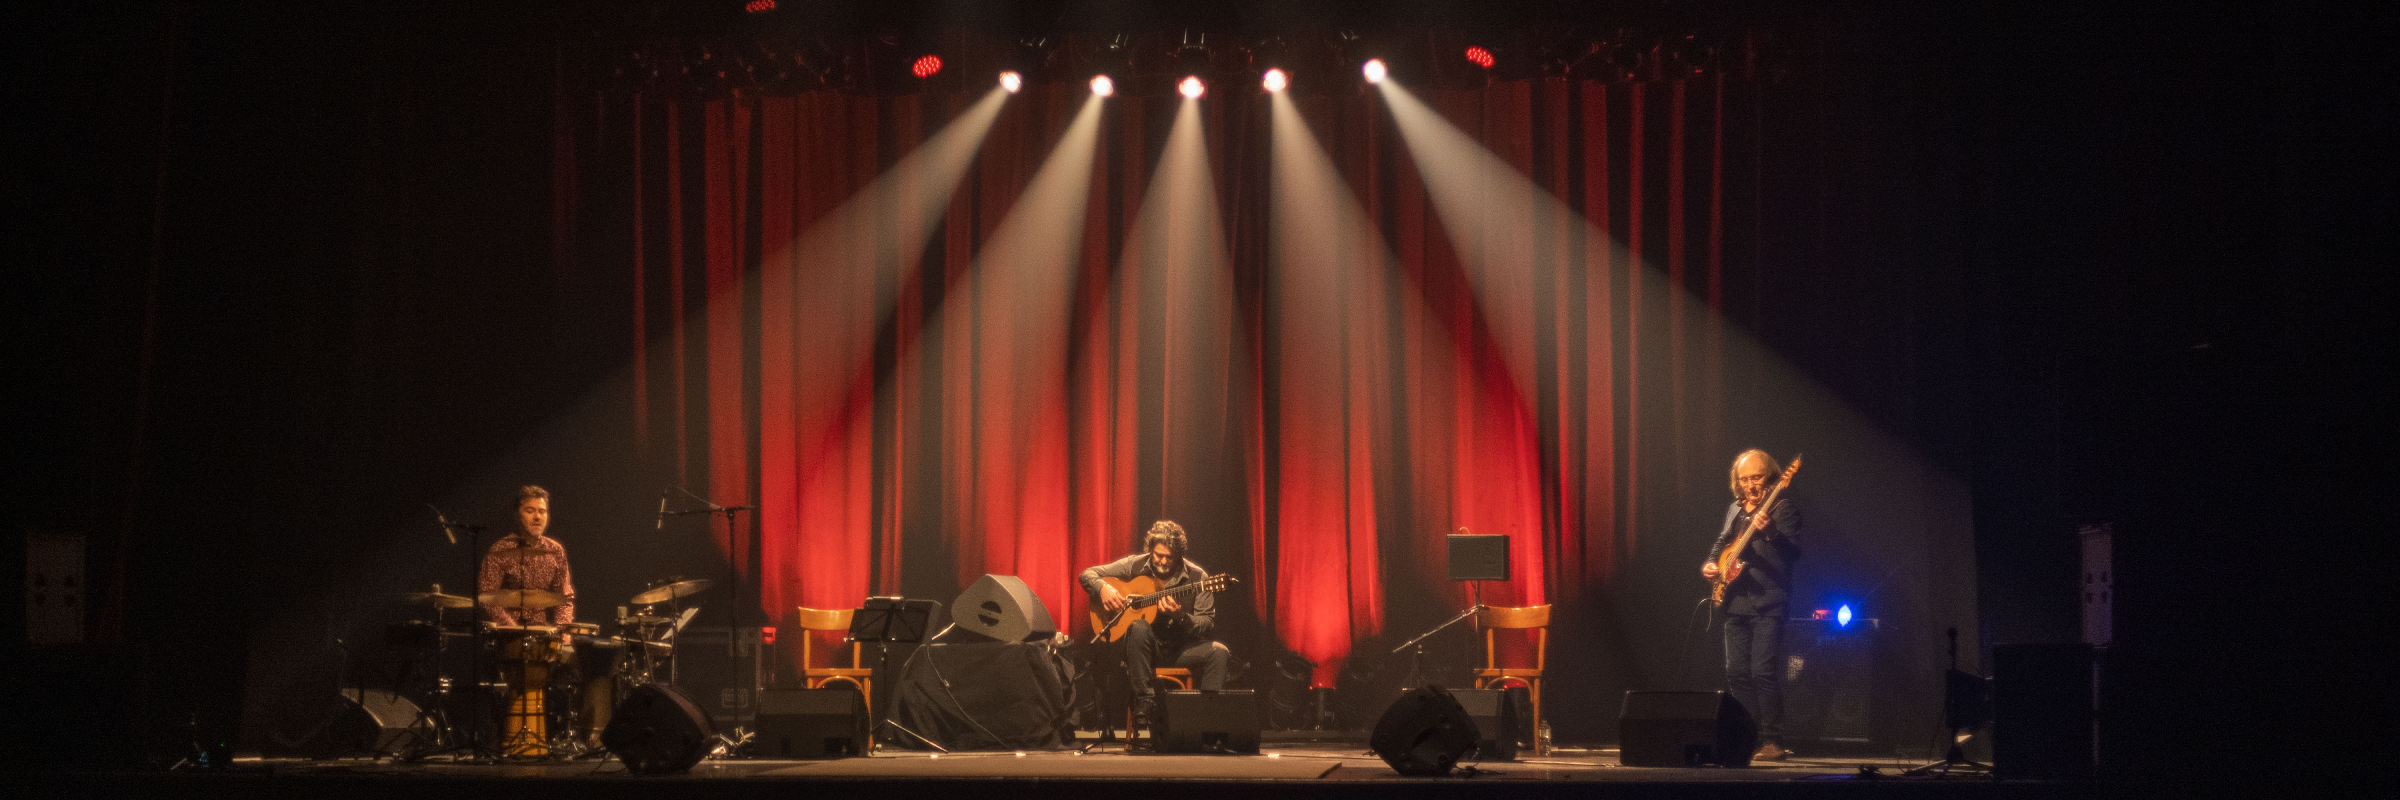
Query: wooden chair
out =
(815, 677)
(1534, 618)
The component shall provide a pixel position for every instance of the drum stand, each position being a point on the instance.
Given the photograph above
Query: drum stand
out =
(470, 744)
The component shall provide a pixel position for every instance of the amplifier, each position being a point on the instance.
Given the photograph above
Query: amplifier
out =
(1829, 681)
(722, 681)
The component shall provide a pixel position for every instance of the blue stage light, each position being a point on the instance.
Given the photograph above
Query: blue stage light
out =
(1842, 616)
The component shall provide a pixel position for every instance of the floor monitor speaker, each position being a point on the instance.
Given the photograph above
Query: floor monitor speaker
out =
(1208, 722)
(1684, 729)
(1504, 718)
(812, 723)
(658, 731)
(1424, 733)
(1002, 607)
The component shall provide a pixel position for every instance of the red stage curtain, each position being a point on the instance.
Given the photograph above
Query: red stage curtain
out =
(908, 417)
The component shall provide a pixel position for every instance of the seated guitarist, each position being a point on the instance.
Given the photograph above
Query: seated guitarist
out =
(1182, 625)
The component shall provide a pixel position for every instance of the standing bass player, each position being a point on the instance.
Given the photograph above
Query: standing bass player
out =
(1182, 623)
(1753, 601)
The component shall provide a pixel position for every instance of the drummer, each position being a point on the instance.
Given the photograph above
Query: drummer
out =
(528, 559)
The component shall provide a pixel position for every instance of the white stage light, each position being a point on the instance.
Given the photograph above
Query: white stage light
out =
(1373, 69)
(1102, 86)
(1191, 87)
(1275, 80)
(1011, 81)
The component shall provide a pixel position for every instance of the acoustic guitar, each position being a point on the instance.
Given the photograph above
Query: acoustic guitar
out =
(1729, 562)
(1141, 601)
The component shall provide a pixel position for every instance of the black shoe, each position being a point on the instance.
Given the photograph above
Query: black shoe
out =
(1144, 709)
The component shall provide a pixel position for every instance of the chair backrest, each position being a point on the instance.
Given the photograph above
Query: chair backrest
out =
(824, 619)
(1494, 618)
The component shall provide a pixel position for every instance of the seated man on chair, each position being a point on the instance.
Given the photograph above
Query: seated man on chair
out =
(1182, 624)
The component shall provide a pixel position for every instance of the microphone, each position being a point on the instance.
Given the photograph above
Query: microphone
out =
(662, 512)
(447, 533)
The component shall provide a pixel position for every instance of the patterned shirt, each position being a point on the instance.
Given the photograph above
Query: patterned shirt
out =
(513, 563)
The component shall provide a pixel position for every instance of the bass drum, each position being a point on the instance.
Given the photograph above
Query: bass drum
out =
(657, 731)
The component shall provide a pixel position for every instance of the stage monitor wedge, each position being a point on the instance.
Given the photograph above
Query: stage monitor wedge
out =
(1685, 729)
(812, 723)
(1003, 608)
(1424, 733)
(658, 731)
(1208, 722)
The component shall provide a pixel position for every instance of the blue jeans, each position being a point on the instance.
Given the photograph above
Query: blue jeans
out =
(1754, 667)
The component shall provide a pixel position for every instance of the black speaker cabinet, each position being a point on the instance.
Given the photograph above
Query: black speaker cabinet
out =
(1003, 608)
(1503, 718)
(1424, 733)
(658, 730)
(811, 723)
(1829, 686)
(1685, 729)
(2042, 711)
(1208, 722)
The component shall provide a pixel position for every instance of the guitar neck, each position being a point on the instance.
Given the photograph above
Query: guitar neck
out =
(1189, 587)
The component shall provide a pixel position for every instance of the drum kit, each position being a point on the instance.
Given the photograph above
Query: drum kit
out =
(558, 683)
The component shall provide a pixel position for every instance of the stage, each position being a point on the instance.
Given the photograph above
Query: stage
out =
(1295, 769)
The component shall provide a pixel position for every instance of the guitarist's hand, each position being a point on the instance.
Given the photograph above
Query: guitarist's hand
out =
(1167, 605)
(1111, 599)
(1709, 570)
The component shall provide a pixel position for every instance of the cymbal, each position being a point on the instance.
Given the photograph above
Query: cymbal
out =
(437, 599)
(522, 598)
(668, 591)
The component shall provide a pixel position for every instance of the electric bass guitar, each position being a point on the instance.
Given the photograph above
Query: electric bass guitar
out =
(1141, 602)
(1729, 562)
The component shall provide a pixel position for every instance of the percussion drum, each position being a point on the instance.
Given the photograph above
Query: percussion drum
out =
(527, 653)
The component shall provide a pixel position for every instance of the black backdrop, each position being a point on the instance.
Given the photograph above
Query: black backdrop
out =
(2129, 243)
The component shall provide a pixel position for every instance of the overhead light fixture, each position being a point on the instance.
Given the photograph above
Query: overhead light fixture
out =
(1374, 70)
(1010, 81)
(1275, 80)
(1480, 57)
(1191, 87)
(926, 66)
(1102, 86)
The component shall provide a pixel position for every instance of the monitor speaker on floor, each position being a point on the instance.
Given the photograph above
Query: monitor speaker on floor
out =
(811, 723)
(1425, 732)
(1208, 722)
(1002, 607)
(1685, 729)
(658, 731)
(1503, 718)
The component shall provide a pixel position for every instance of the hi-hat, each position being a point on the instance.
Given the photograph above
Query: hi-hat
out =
(669, 590)
(437, 599)
(522, 598)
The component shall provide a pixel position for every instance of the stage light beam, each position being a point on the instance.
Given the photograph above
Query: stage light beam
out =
(1102, 86)
(1374, 70)
(1275, 80)
(1191, 87)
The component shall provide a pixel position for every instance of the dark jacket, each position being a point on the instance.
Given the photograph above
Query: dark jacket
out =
(1199, 608)
(1766, 582)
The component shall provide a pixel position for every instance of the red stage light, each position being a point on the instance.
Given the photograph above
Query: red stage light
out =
(926, 66)
(760, 6)
(1481, 57)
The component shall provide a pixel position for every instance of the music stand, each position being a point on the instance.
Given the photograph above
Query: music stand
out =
(1473, 558)
(884, 620)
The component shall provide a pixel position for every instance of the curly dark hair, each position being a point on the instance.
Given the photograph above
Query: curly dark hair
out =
(1168, 533)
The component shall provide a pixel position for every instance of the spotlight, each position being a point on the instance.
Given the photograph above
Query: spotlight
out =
(1010, 81)
(1275, 80)
(927, 66)
(1842, 617)
(1480, 57)
(1102, 86)
(1191, 87)
(1374, 70)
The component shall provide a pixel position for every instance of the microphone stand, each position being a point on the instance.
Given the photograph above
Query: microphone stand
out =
(733, 579)
(1416, 661)
(479, 711)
